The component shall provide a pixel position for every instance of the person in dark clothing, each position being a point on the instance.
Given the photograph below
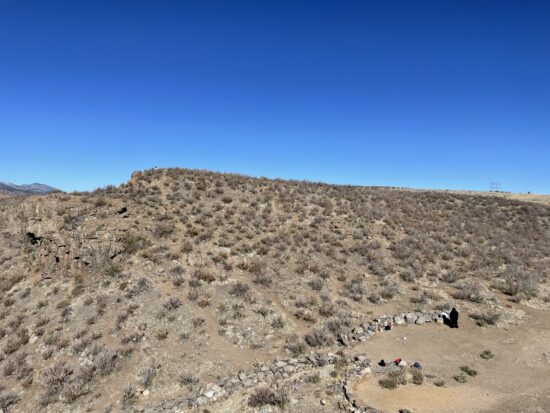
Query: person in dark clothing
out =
(450, 319)
(454, 318)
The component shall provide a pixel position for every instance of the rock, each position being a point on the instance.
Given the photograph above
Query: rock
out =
(234, 384)
(289, 368)
(323, 402)
(361, 357)
(326, 359)
(399, 320)
(249, 382)
(343, 340)
(349, 394)
(145, 392)
(421, 319)
(201, 400)
(410, 318)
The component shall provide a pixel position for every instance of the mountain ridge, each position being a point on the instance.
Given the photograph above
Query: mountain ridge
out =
(26, 189)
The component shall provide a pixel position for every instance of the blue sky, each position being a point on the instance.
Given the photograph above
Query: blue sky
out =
(428, 94)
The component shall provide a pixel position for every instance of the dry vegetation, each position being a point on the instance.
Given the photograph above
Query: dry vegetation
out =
(126, 296)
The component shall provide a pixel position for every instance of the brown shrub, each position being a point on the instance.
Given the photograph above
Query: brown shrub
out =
(264, 396)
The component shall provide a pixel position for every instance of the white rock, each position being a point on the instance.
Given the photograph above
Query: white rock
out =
(201, 400)
(399, 320)
(410, 318)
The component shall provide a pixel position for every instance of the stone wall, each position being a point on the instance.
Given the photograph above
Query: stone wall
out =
(280, 369)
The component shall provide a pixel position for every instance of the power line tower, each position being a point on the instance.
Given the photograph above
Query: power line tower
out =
(495, 187)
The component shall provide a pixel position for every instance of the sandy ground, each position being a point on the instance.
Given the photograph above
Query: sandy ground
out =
(536, 198)
(517, 379)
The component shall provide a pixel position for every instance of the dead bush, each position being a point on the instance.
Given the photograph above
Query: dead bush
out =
(147, 376)
(133, 243)
(128, 395)
(263, 396)
(163, 230)
(295, 345)
(203, 274)
(487, 317)
(239, 289)
(471, 290)
(173, 303)
(7, 401)
(105, 362)
(263, 279)
(317, 337)
(355, 289)
(189, 380)
(518, 282)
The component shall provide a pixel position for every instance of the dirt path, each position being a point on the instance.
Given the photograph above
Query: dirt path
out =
(515, 380)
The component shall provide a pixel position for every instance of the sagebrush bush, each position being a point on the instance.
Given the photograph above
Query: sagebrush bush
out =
(317, 337)
(264, 396)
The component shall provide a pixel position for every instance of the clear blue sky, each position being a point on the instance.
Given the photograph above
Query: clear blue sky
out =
(430, 94)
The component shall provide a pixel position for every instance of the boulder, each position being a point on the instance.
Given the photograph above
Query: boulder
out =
(421, 319)
(410, 318)
(399, 320)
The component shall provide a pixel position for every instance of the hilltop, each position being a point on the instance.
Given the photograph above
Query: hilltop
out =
(150, 295)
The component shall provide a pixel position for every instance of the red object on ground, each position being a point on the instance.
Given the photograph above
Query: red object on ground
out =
(397, 360)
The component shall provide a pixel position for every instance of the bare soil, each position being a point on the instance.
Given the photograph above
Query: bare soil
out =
(514, 380)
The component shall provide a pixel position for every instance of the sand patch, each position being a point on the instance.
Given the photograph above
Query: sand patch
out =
(512, 377)
(426, 398)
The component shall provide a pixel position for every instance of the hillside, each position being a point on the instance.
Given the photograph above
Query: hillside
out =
(186, 290)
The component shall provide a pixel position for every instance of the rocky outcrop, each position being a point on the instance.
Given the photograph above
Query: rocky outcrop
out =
(58, 238)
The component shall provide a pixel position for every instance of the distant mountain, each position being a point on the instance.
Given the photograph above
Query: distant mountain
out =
(28, 189)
